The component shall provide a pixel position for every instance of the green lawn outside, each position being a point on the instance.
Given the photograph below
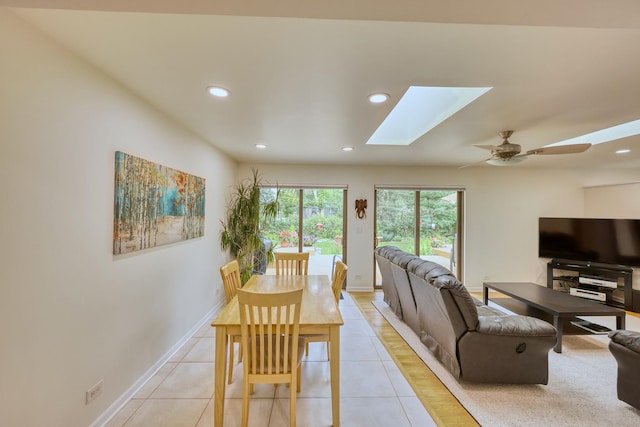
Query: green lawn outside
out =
(328, 247)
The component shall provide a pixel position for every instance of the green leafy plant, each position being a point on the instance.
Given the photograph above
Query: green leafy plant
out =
(241, 234)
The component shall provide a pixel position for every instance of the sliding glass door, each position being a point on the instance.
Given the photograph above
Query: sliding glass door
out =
(425, 222)
(309, 220)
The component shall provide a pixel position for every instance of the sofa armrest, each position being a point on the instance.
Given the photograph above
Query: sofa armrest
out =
(515, 325)
(509, 349)
(628, 339)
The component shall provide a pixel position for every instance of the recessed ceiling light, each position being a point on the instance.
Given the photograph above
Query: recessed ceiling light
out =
(624, 151)
(261, 146)
(347, 148)
(218, 91)
(421, 109)
(378, 98)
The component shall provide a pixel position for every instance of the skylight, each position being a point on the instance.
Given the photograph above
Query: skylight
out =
(421, 109)
(604, 135)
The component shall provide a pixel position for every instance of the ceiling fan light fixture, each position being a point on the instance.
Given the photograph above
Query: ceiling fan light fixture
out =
(505, 162)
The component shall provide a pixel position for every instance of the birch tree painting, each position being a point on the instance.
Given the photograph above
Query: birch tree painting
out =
(154, 205)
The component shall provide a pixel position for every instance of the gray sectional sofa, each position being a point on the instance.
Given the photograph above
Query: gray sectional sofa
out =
(625, 347)
(475, 342)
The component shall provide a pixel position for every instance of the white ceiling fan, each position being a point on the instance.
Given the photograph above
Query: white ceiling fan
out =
(507, 153)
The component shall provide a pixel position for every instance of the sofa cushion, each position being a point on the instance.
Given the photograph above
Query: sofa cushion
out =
(413, 264)
(461, 296)
(430, 270)
(439, 271)
(515, 325)
(387, 251)
(485, 310)
(629, 339)
(401, 259)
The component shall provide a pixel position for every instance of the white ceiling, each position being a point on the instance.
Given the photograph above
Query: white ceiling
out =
(300, 71)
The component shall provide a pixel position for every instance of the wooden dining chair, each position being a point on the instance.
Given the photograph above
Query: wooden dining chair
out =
(292, 264)
(340, 273)
(230, 274)
(270, 324)
(339, 276)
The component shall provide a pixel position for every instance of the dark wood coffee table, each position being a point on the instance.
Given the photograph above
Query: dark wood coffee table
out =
(555, 307)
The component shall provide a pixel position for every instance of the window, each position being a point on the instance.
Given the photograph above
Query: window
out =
(425, 222)
(310, 220)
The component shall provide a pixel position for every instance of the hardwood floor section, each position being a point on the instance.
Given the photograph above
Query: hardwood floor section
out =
(443, 407)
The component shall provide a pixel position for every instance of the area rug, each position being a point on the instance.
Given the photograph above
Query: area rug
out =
(581, 389)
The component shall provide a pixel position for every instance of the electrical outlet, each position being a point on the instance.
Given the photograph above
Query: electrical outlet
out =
(94, 391)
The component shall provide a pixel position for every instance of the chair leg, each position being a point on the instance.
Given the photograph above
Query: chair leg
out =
(306, 349)
(245, 403)
(327, 350)
(232, 348)
(298, 379)
(292, 400)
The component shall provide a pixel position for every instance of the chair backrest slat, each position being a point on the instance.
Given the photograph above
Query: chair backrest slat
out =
(338, 279)
(292, 264)
(270, 329)
(230, 274)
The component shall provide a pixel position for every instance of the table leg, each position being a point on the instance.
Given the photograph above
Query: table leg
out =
(485, 294)
(557, 323)
(620, 321)
(220, 375)
(334, 362)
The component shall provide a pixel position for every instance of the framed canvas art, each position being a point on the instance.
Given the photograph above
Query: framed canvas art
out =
(154, 205)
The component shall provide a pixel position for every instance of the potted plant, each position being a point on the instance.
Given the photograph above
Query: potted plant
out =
(240, 233)
(286, 238)
(309, 240)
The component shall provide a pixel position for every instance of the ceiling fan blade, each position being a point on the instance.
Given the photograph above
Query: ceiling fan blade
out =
(474, 163)
(561, 149)
(486, 146)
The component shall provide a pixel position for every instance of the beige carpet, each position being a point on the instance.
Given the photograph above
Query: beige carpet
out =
(581, 389)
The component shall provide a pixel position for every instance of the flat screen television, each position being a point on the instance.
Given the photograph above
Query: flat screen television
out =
(607, 241)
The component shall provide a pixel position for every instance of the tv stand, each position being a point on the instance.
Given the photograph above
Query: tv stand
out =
(610, 284)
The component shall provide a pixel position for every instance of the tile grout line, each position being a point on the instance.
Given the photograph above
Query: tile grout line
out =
(448, 410)
(146, 398)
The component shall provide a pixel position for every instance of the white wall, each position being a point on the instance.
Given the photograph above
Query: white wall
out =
(502, 210)
(71, 313)
(613, 201)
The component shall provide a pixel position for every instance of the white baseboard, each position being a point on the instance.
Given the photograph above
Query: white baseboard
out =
(360, 288)
(113, 409)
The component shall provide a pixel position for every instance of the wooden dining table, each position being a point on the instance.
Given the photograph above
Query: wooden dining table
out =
(319, 314)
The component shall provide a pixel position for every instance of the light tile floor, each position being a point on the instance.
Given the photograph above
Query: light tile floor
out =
(373, 390)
